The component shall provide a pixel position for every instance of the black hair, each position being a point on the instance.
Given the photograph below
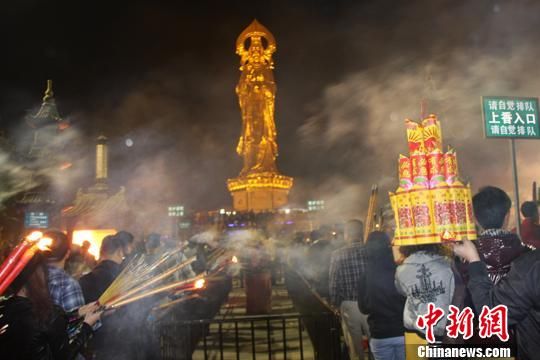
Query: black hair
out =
(110, 245)
(529, 209)
(491, 205)
(379, 250)
(34, 279)
(377, 240)
(60, 245)
(153, 241)
(125, 237)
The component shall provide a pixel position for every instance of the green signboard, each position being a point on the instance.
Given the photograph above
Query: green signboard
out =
(510, 117)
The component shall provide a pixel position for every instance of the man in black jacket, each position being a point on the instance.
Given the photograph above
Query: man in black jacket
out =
(519, 290)
(98, 280)
(112, 341)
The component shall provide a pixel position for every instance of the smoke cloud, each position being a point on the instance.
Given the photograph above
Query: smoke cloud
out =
(359, 119)
(348, 73)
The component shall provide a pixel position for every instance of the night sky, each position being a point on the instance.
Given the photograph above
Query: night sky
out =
(163, 73)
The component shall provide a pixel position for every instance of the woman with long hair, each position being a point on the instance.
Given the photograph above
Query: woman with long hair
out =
(32, 327)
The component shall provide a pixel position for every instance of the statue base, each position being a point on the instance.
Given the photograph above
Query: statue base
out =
(260, 192)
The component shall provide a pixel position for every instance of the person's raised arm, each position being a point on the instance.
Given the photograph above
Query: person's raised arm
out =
(517, 290)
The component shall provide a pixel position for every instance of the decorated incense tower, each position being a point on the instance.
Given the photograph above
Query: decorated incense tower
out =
(259, 187)
(431, 204)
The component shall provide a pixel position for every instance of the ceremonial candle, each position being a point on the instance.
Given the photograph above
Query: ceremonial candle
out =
(18, 268)
(14, 256)
(22, 262)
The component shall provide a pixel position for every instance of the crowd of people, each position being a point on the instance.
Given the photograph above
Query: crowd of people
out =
(51, 310)
(380, 294)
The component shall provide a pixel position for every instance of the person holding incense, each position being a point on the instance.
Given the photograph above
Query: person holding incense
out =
(33, 327)
(111, 255)
(110, 342)
(65, 291)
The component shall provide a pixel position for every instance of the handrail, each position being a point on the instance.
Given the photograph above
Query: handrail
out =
(252, 318)
(314, 292)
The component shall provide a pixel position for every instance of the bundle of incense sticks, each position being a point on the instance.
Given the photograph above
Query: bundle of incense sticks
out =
(139, 275)
(195, 283)
(139, 280)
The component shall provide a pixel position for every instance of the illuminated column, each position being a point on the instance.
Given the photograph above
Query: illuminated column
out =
(101, 159)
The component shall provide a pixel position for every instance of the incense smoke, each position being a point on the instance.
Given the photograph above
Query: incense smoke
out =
(346, 79)
(359, 120)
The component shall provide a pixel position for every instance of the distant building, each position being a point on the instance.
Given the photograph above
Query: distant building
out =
(42, 155)
(97, 211)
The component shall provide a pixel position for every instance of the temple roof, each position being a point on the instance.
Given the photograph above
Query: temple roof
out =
(94, 202)
(48, 113)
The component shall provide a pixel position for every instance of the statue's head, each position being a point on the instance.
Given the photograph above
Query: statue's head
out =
(252, 48)
(256, 50)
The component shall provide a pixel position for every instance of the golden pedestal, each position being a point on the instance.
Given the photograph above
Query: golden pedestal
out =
(260, 192)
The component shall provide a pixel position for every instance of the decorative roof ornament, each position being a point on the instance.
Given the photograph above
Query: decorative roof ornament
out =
(48, 113)
(49, 94)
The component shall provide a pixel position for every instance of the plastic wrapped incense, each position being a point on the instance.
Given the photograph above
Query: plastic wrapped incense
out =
(420, 169)
(442, 200)
(422, 214)
(435, 160)
(402, 206)
(471, 227)
(405, 172)
(450, 166)
(415, 137)
(431, 133)
(437, 206)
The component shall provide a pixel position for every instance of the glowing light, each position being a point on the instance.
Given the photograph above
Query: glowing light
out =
(287, 211)
(221, 211)
(63, 125)
(129, 142)
(66, 166)
(34, 236)
(199, 284)
(44, 243)
(94, 237)
(275, 181)
(234, 260)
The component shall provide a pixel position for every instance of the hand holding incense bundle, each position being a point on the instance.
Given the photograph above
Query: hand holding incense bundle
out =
(195, 283)
(135, 273)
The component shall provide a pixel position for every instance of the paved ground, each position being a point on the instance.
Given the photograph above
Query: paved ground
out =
(245, 339)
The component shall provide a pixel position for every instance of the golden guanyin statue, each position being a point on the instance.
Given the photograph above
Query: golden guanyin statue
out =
(259, 187)
(256, 92)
